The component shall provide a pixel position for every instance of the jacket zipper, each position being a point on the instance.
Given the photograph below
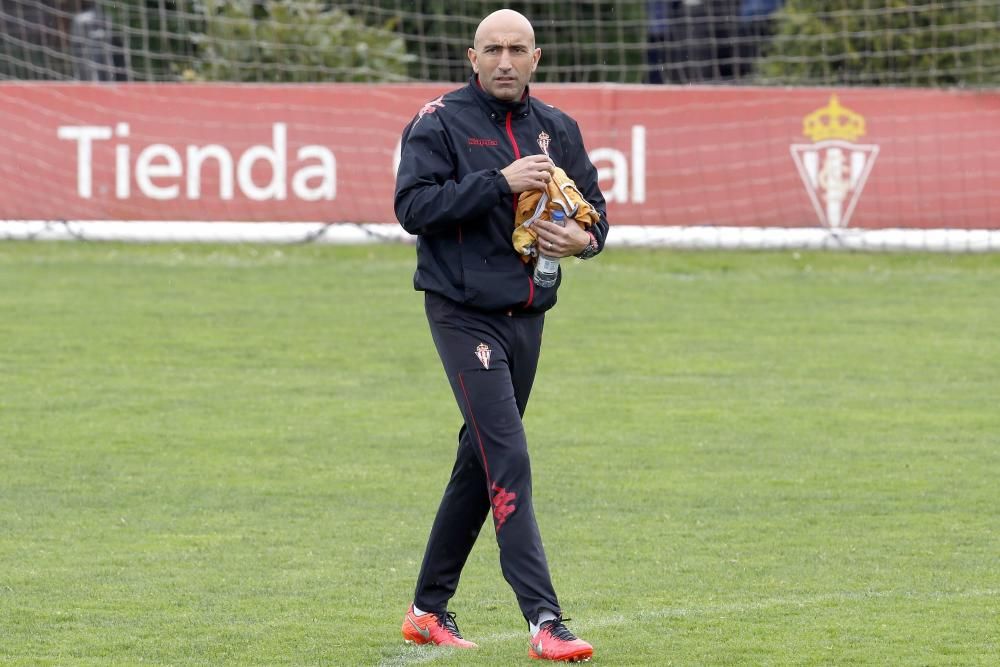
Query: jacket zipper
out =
(517, 151)
(513, 141)
(517, 156)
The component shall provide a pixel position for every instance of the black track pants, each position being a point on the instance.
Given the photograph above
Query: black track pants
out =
(490, 360)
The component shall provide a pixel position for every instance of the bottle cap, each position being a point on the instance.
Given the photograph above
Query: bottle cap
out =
(558, 215)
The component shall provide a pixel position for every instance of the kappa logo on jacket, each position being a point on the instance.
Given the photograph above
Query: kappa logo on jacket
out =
(477, 141)
(430, 107)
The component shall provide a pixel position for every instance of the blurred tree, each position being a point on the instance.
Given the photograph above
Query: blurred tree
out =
(582, 41)
(885, 42)
(293, 40)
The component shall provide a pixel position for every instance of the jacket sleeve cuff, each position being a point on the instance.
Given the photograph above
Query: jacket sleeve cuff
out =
(501, 183)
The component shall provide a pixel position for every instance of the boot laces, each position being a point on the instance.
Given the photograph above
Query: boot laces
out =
(447, 621)
(558, 630)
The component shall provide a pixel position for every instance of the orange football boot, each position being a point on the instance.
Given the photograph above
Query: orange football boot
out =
(554, 641)
(431, 628)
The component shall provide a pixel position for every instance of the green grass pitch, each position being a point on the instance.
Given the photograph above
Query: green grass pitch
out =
(231, 455)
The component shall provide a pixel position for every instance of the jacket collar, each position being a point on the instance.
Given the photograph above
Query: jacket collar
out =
(498, 109)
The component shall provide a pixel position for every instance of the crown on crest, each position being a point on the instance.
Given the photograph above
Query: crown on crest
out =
(833, 122)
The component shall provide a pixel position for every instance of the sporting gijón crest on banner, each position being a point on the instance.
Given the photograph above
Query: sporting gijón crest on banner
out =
(834, 169)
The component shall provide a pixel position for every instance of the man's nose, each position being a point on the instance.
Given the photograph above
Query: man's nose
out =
(504, 60)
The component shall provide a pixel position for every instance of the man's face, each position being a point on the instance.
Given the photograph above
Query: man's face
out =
(504, 58)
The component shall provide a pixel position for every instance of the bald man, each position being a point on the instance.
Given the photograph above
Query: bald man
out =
(466, 156)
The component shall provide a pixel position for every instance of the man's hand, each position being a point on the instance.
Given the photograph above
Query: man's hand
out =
(529, 173)
(556, 241)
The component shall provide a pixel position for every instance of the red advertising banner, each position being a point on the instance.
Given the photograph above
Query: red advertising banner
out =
(667, 156)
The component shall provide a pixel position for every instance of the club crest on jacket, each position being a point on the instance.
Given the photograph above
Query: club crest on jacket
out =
(543, 141)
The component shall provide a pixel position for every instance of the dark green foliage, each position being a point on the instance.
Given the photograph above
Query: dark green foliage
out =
(584, 41)
(885, 42)
(815, 42)
(289, 41)
(254, 40)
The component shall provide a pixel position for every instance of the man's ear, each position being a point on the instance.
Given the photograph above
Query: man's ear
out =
(473, 58)
(536, 56)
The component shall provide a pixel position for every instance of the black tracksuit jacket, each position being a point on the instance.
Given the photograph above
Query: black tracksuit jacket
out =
(451, 195)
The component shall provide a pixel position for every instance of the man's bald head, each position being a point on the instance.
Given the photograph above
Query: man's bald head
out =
(504, 21)
(504, 55)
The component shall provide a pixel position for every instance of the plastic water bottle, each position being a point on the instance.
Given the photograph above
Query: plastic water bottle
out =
(547, 268)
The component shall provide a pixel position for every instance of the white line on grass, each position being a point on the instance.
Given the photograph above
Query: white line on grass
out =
(414, 655)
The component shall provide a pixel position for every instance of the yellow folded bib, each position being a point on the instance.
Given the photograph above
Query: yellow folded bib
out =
(561, 193)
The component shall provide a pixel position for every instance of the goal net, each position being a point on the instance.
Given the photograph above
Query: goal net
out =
(708, 131)
(796, 42)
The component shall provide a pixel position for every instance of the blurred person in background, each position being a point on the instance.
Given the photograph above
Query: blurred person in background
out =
(703, 41)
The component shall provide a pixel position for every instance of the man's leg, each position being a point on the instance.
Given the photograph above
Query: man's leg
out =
(464, 506)
(498, 435)
(483, 354)
(525, 348)
(460, 516)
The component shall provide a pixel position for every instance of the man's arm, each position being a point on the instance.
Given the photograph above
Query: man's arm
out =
(572, 240)
(429, 196)
(583, 172)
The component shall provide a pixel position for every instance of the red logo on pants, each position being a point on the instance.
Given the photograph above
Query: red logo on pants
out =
(503, 505)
